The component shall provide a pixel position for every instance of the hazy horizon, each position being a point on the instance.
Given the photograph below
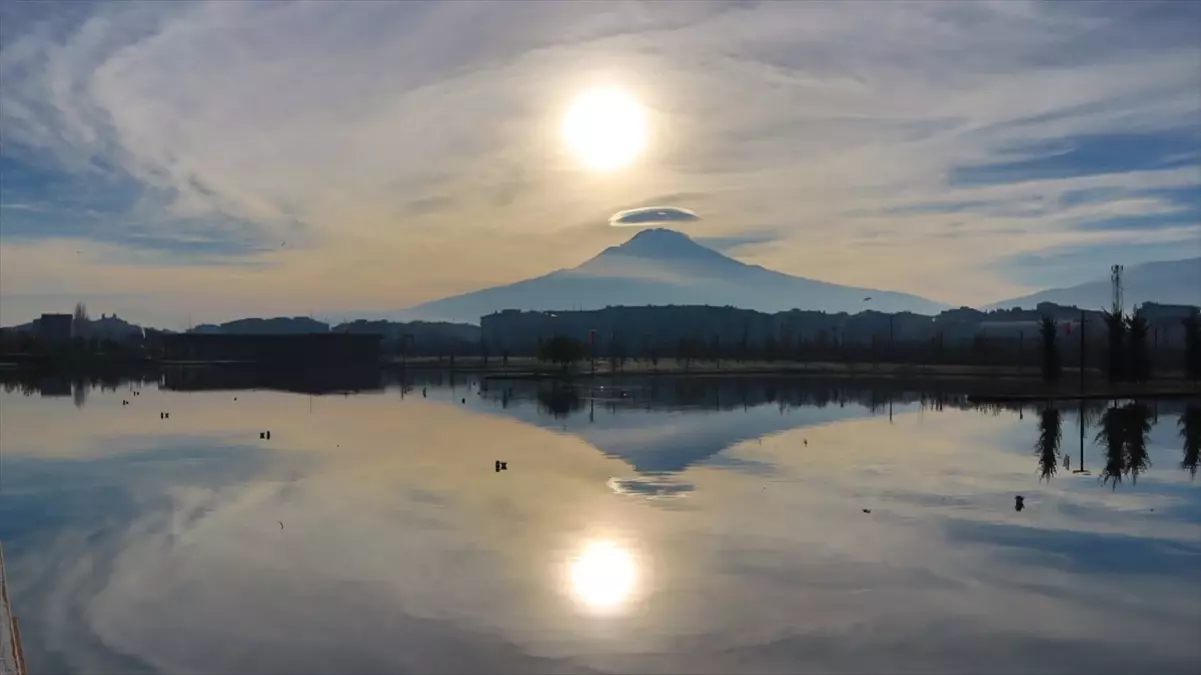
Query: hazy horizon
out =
(222, 160)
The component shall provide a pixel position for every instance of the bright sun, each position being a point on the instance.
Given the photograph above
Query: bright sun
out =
(606, 129)
(603, 575)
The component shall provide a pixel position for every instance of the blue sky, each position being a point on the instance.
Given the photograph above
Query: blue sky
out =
(173, 160)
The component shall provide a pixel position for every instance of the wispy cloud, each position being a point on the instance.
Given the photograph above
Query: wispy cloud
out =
(406, 136)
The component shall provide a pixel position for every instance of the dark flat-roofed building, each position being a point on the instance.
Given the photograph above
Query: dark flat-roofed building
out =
(55, 328)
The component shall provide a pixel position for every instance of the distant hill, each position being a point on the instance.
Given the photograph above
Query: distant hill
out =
(664, 267)
(1172, 282)
(276, 326)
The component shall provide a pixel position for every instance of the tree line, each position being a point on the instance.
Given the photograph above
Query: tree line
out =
(1127, 348)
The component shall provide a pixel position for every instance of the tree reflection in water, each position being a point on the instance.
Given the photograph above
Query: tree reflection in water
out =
(1123, 434)
(1050, 431)
(1190, 434)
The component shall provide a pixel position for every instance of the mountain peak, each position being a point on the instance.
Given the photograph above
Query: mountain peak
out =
(660, 242)
(659, 234)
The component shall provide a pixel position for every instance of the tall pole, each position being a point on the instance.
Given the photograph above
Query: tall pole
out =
(1082, 318)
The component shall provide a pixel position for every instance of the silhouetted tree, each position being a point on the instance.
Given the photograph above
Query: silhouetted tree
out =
(770, 348)
(1050, 431)
(1049, 337)
(1192, 347)
(744, 344)
(1115, 326)
(561, 350)
(715, 350)
(1190, 434)
(80, 319)
(1138, 359)
(686, 351)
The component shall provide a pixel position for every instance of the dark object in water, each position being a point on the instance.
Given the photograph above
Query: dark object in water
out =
(867, 510)
(281, 524)
(1019, 503)
(265, 435)
(502, 466)
(423, 392)
(464, 401)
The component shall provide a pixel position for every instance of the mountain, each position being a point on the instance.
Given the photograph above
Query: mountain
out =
(664, 267)
(1171, 282)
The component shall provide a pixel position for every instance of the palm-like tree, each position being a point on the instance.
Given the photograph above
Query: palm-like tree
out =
(1139, 363)
(1048, 337)
(1115, 325)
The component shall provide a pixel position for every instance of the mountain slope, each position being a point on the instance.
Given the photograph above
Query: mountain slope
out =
(1172, 282)
(664, 267)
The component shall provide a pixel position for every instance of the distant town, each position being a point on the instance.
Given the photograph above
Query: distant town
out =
(615, 335)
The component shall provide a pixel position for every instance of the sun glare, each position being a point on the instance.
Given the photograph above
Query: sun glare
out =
(605, 129)
(603, 576)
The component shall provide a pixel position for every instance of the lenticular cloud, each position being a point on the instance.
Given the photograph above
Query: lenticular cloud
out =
(652, 214)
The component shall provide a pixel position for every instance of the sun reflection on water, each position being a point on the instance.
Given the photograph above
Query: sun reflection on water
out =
(603, 575)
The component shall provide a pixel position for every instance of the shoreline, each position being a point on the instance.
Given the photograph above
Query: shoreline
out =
(984, 384)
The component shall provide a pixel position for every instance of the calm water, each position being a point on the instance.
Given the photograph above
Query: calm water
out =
(671, 527)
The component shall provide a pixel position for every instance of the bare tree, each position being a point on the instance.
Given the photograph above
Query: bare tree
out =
(80, 319)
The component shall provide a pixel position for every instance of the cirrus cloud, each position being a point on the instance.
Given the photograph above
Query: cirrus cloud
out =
(392, 136)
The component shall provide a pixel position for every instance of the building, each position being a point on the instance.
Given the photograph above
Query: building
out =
(55, 328)
(299, 349)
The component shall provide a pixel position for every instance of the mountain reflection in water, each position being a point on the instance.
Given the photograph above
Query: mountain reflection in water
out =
(643, 525)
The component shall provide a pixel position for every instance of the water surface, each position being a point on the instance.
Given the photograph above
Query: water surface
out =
(673, 526)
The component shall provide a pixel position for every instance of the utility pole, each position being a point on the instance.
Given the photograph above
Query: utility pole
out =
(1115, 277)
(891, 354)
(1082, 318)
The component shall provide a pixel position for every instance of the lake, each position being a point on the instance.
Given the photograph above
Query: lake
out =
(707, 526)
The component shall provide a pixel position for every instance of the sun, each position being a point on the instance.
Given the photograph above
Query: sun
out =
(603, 576)
(605, 129)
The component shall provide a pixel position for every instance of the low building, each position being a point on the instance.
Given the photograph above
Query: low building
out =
(301, 349)
(55, 328)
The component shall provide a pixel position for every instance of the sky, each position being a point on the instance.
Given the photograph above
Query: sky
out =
(182, 162)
